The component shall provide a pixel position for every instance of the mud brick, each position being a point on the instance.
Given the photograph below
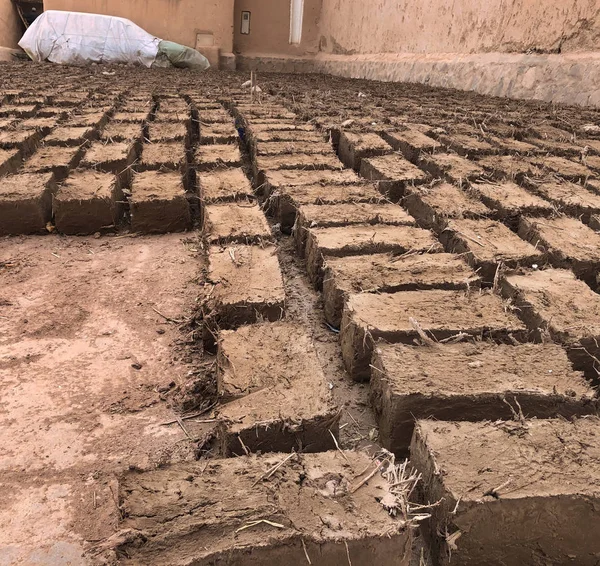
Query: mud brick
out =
(240, 222)
(536, 483)
(466, 145)
(509, 167)
(224, 185)
(279, 126)
(96, 120)
(7, 123)
(571, 198)
(555, 303)
(487, 244)
(272, 136)
(122, 132)
(510, 201)
(10, 160)
(57, 112)
(57, 160)
(411, 143)
(265, 111)
(248, 285)
(269, 376)
(386, 273)
(87, 202)
(568, 243)
(167, 156)
(158, 203)
(132, 117)
(563, 167)
(24, 140)
(168, 132)
(216, 116)
(116, 158)
(354, 147)
(275, 180)
(286, 148)
(207, 157)
(18, 110)
(284, 202)
(299, 499)
(330, 215)
(560, 148)
(304, 161)
(369, 317)
(182, 116)
(471, 382)
(392, 174)
(433, 206)
(594, 223)
(593, 162)
(42, 125)
(218, 134)
(173, 106)
(508, 146)
(361, 239)
(593, 185)
(452, 167)
(26, 203)
(70, 136)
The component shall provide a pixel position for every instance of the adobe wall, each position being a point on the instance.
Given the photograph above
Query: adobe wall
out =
(10, 25)
(460, 26)
(270, 27)
(175, 20)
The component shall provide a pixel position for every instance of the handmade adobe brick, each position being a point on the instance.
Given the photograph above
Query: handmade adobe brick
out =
(230, 222)
(354, 147)
(207, 157)
(411, 143)
(392, 174)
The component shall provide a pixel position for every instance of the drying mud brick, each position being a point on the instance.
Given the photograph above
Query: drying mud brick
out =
(215, 116)
(24, 140)
(207, 157)
(158, 203)
(450, 166)
(217, 134)
(411, 143)
(87, 202)
(330, 215)
(70, 136)
(536, 483)
(386, 273)
(10, 160)
(57, 160)
(354, 147)
(294, 147)
(563, 167)
(433, 206)
(567, 243)
(555, 304)
(397, 318)
(132, 117)
(303, 161)
(95, 120)
(309, 495)
(509, 201)
(167, 156)
(114, 158)
(42, 125)
(570, 198)
(486, 245)
(295, 136)
(392, 174)
(509, 167)
(275, 180)
(122, 132)
(284, 202)
(224, 185)
(247, 285)
(511, 146)
(467, 146)
(168, 132)
(276, 394)
(26, 203)
(241, 222)
(471, 382)
(361, 239)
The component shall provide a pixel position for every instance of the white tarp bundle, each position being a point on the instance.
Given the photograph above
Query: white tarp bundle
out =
(75, 38)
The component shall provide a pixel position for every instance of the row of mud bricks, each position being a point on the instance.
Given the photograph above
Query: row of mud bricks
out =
(463, 298)
(86, 163)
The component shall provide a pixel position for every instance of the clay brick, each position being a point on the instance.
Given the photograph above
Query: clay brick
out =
(433, 206)
(87, 202)
(570, 198)
(486, 245)
(471, 382)
(137, 117)
(247, 285)
(442, 314)
(19, 110)
(113, 158)
(296, 136)
(265, 164)
(215, 116)
(392, 174)
(224, 185)
(218, 134)
(466, 145)
(269, 376)
(167, 156)
(122, 132)
(387, 273)
(207, 157)
(54, 159)
(168, 132)
(24, 140)
(10, 160)
(354, 147)
(241, 222)
(158, 203)
(361, 239)
(567, 243)
(554, 303)
(330, 215)
(535, 483)
(411, 143)
(452, 167)
(70, 136)
(563, 167)
(509, 146)
(26, 203)
(95, 120)
(303, 495)
(509, 167)
(294, 147)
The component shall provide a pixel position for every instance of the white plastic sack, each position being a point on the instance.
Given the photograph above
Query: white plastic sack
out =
(75, 38)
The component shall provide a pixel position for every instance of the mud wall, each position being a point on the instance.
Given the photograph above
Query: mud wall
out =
(175, 20)
(460, 26)
(270, 27)
(10, 25)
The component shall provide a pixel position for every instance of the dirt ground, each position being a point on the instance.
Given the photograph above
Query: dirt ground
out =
(101, 344)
